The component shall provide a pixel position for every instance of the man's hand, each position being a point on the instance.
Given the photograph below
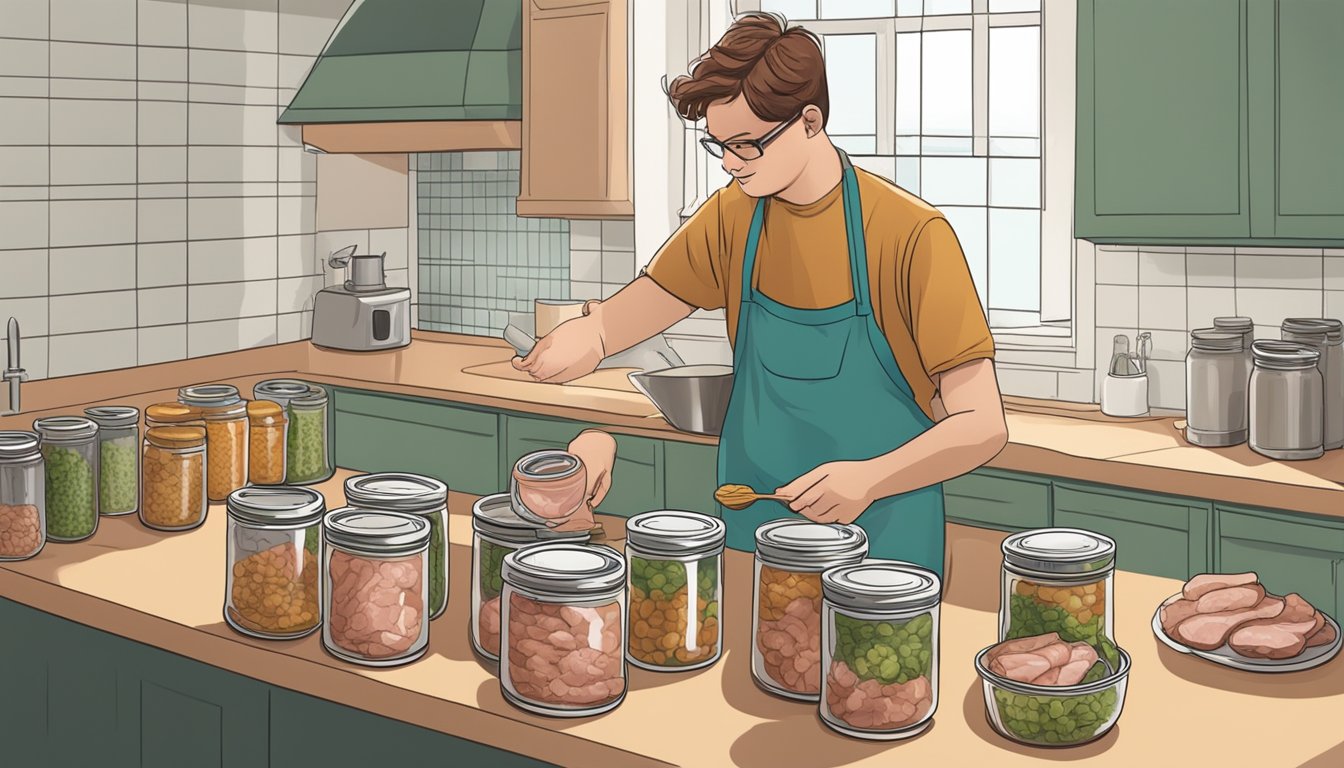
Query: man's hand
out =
(597, 451)
(837, 492)
(572, 350)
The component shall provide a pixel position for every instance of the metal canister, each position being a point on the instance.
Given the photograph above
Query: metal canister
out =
(1286, 401)
(1215, 388)
(1326, 337)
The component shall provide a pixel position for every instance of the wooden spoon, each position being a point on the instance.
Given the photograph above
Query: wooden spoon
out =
(742, 496)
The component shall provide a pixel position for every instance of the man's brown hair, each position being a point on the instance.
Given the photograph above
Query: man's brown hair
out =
(778, 70)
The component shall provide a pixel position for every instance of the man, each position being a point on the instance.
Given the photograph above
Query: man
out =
(863, 364)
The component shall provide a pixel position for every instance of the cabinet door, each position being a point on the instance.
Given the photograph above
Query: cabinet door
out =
(690, 477)
(575, 110)
(1161, 126)
(990, 498)
(24, 706)
(1160, 535)
(1297, 117)
(1290, 552)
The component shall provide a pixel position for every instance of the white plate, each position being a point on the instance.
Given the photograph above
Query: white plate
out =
(1307, 659)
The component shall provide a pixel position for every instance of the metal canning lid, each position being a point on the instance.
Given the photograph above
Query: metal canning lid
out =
(176, 437)
(113, 415)
(1318, 330)
(261, 410)
(1059, 552)
(17, 444)
(172, 413)
(64, 428)
(494, 516)
(376, 533)
(315, 397)
(284, 505)
(810, 546)
(209, 395)
(1215, 340)
(1284, 355)
(548, 465)
(674, 533)
(280, 390)
(1239, 324)
(564, 569)
(396, 492)
(879, 585)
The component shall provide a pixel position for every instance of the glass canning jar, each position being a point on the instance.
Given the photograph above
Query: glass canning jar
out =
(791, 555)
(274, 551)
(225, 415)
(1287, 401)
(496, 532)
(23, 507)
(1060, 580)
(267, 427)
(879, 644)
(548, 486)
(309, 443)
(675, 562)
(118, 458)
(563, 627)
(1326, 336)
(416, 495)
(70, 453)
(172, 494)
(374, 590)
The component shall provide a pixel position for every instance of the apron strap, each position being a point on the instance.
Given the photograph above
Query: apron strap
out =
(753, 244)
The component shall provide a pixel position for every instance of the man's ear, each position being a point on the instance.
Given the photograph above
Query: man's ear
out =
(813, 120)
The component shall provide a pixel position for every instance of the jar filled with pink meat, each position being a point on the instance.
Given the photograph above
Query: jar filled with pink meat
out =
(563, 643)
(375, 586)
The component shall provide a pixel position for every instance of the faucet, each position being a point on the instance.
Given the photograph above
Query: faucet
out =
(13, 373)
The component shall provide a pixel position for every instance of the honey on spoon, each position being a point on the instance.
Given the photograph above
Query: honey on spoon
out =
(737, 497)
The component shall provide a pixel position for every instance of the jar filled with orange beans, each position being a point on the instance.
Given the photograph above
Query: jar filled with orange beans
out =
(267, 428)
(173, 487)
(225, 415)
(274, 555)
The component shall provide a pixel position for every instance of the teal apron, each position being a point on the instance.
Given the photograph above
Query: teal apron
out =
(813, 386)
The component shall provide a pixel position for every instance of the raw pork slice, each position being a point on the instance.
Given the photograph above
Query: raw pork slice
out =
(1176, 610)
(1230, 599)
(1205, 583)
(1324, 636)
(1281, 640)
(1208, 631)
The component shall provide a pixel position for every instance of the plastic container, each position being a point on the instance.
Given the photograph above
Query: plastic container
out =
(879, 649)
(172, 496)
(563, 629)
(23, 493)
(267, 428)
(374, 589)
(70, 454)
(669, 554)
(274, 562)
(1054, 716)
(309, 448)
(548, 486)
(1060, 580)
(416, 495)
(118, 458)
(791, 555)
(496, 532)
(225, 415)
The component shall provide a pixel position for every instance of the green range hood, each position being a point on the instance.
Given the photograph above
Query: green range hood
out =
(416, 61)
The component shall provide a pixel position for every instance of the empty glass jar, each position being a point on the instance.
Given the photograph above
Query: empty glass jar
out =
(23, 519)
(374, 589)
(118, 458)
(225, 415)
(173, 496)
(309, 441)
(267, 428)
(879, 649)
(563, 629)
(416, 495)
(70, 452)
(675, 561)
(274, 555)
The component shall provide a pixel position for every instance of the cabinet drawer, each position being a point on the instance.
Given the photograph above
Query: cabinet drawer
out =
(994, 499)
(1160, 535)
(466, 460)
(690, 476)
(417, 411)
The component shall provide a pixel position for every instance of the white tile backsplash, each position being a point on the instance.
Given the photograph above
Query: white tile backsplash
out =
(162, 306)
(84, 312)
(585, 266)
(159, 264)
(92, 222)
(231, 125)
(24, 224)
(93, 165)
(296, 293)
(90, 269)
(1334, 304)
(1161, 267)
(234, 26)
(162, 343)
(1117, 305)
(92, 122)
(1166, 384)
(161, 220)
(585, 235)
(1210, 268)
(1117, 267)
(27, 18)
(23, 58)
(227, 261)
(1204, 304)
(234, 68)
(213, 338)
(31, 313)
(163, 122)
(1162, 307)
(95, 60)
(297, 256)
(87, 352)
(158, 165)
(1261, 270)
(25, 274)
(26, 120)
(104, 21)
(162, 64)
(391, 242)
(1269, 306)
(24, 165)
(223, 301)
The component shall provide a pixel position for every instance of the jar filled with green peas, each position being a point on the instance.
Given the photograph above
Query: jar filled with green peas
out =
(118, 458)
(70, 450)
(416, 495)
(309, 447)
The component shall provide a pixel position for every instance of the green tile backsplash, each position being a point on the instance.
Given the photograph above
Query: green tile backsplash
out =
(479, 262)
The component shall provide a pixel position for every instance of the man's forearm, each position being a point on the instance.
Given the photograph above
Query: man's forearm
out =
(639, 311)
(950, 448)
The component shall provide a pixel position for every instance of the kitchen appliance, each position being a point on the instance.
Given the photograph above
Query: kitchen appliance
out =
(362, 314)
(693, 398)
(1216, 383)
(1124, 391)
(13, 373)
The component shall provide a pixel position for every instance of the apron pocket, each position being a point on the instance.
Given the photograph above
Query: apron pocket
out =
(798, 351)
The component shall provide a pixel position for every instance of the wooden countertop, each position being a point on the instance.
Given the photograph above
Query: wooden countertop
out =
(1176, 705)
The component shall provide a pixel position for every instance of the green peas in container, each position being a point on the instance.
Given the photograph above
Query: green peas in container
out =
(308, 446)
(1055, 716)
(71, 454)
(118, 458)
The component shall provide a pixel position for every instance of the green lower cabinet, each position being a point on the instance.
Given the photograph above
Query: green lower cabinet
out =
(1291, 553)
(1161, 535)
(990, 498)
(690, 476)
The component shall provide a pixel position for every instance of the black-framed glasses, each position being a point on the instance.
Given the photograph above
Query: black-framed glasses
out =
(746, 149)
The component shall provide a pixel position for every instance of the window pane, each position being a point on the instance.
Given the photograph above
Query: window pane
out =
(856, 145)
(857, 9)
(969, 224)
(1014, 147)
(907, 174)
(947, 83)
(907, 145)
(1015, 183)
(1015, 259)
(939, 7)
(907, 84)
(851, 77)
(953, 180)
(947, 145)
(910, 7)
(1015, 81)
(791, 9)
(1014, 6)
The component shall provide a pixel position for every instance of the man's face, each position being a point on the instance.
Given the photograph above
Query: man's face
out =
(733, 121)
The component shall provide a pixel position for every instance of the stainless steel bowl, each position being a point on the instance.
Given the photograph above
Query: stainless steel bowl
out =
(693, 398)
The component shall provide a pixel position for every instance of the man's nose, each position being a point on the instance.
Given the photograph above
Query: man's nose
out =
(732, 163)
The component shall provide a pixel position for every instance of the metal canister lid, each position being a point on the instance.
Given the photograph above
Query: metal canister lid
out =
(1234, 323)
(17, 444)
(1313, 330)
(1284, 355)
(64, 428)
(494, 516)
(1215, 340)
(209, 395)
(172, 413)
(883, 586)
(564, 569)
(381, 534)
(547, 465)
(176, 437)
(1059, 552)
(674, 533)
(396, 492)
(280, 390)
(265, 410)
(809, 546)
(113, 416)
(315, 397)
(277, 505)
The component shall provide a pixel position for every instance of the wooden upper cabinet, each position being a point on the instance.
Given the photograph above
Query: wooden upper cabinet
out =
(575, 160)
